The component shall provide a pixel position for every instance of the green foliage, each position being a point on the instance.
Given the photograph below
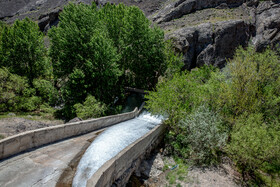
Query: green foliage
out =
(255, 144)
(141, 47)
(100, 51)
(205, 134)
(252, 84)
(91, 108)
(245, 95)
(23, 51)
(46, 90)
(16, 95)
(180, 95)
(179, 173)
(174, 61)
(83, 56)
(30, 103)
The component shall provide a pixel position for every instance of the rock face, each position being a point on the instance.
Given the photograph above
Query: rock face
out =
(210, 43)
(268, 25)
(216, 39)
(182, 7)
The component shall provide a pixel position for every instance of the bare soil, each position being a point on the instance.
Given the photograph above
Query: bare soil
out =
(222, 175)
(15, 125)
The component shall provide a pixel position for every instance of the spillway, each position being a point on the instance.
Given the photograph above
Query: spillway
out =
(110, 143)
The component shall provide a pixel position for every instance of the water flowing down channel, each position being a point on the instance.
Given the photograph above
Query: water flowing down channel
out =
(110, 143)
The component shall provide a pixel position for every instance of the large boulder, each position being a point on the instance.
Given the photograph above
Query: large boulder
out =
(211, 43)
(267, 25)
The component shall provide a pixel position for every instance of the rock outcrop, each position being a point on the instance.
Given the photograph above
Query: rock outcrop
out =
(267, 25)
(182, 7)
(214, 40)
(210, 43)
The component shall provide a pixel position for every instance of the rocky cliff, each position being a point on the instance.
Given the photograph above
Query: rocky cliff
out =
(204, 31)
(208, 31)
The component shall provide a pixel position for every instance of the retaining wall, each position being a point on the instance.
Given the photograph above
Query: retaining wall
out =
(35, 138)
(121, 166)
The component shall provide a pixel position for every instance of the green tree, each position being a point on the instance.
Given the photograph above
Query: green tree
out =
(23, 51)
(84, 57)
(141, 47)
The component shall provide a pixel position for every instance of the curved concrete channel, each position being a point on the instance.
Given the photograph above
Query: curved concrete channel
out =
(54, 164)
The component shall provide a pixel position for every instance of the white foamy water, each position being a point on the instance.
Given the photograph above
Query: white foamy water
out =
(109, 143)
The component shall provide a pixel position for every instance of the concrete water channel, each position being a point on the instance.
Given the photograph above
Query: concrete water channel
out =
(54, 162)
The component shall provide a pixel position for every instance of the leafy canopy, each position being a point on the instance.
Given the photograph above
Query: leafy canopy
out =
(22, 49)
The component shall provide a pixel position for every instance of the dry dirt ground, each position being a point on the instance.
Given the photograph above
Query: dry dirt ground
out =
(159, 175)
(15, 125)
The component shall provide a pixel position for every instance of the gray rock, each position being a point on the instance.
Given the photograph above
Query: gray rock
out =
(11, 114)
(182, 7)
(151, 168)
(76, 119)
(211, 43)
(267, 25)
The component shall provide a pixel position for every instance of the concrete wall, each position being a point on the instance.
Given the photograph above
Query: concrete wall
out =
(121, 166)
(31, 139)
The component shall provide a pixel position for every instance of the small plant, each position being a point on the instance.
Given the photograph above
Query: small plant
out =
(2, 136)
(176, 172)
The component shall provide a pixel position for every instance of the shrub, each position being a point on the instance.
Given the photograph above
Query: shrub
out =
(16, 95)
(174, 61)
(252, 85)
(46, 90)
(203, 134)
(180, 95)
(23, 51)
(255, 144)
(91, 108)
(30, 103)
(11, 88)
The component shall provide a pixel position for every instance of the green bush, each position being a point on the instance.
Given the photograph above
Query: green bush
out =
(174, 61)
(204, 133)
(16, 95)
(252, 84)
(91, 108)
(30, 103)
(46, 90)
(11, 88)
(179, 96)
(22, 49)
(255, 144)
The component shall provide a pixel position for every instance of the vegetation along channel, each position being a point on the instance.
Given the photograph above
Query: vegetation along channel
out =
(207, 70)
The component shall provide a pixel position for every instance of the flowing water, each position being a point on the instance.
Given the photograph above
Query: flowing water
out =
(110, 143)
